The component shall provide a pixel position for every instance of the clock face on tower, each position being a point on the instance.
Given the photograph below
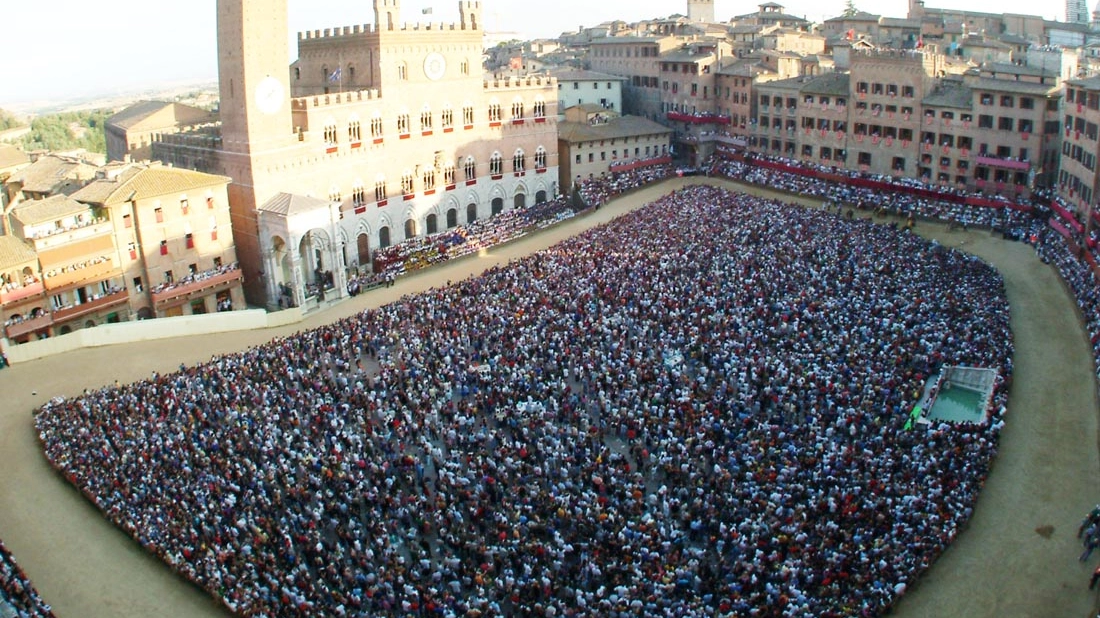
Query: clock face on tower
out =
(269, 95)
(435, 65)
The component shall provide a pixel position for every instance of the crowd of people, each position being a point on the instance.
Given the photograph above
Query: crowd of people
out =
(18, 598)
(597, 190)
(423, 251)
(697, 410)
(901, 203)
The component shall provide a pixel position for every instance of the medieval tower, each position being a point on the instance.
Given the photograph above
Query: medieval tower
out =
(701, 11)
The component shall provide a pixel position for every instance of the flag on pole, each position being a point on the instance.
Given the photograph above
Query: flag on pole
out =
(427, 11)
(335, 76)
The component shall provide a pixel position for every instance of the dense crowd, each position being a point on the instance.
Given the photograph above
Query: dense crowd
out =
(423, 251)
(900, 203)
(597, 190)
(1079, 277)
(693, 411)
(18, 598)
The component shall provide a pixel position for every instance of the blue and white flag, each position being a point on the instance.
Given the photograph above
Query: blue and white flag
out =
(335, 77)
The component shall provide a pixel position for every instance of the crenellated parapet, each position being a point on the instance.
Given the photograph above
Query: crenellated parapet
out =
(338, 32)
(524, 82)
(334, 99)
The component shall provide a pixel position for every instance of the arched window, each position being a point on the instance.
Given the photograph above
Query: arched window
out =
(471, 168)
(519, 162)
(425, 120)
(376, 127)
(407, 183)
(468, 116)
(449, 174)
(447, 117)
(429, 179)
(471, 213)
(539, 109)
(358, 194)
(330, 134)
(540, 158)
(334, 195)
(354, 133)
(465, 67)
(517, 109)
(452, 218)
(380, 189)
(402, 71)
(403, 124)
(494, 112)
(384, 237)
(410, 228)
(496, 164)
(432, 224)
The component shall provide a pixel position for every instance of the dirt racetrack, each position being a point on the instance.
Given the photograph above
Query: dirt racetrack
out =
(1017, 558)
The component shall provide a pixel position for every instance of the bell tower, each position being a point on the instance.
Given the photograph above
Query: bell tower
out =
(253, 74)
(701, 11)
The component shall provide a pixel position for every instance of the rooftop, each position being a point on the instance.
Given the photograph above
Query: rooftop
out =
(288, 204)
(15, 252)
(624, 126)
(49, 209)
(137, 182)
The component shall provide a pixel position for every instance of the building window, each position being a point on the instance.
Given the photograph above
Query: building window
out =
(330, 134)
(426, 120)
(403, 124)
(407, 183)
(496, 164)
(380, 190)
(402, 72)
(494, 112)
(540, 158)
(158, 213)
(447, 117)
(517, 110)
(540, 109)
(210, 203)
(519, 162)
(190, 239)
(449, 174)
(1007, 101)
(168, 278)
(468, 116)
(358, 195)
(376, 127)
(464, 67)
(470, 168)
(429, 179)
(164, 247)
(138, 287)
(354, 133)
(184, 205)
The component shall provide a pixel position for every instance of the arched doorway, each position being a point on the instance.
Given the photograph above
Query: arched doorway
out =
(145, 313)
(498, 205)
(363, 248)
(384, 237)
(431, 224)
(410, 228)
(519, 201)
(89, 324)
(471, 213)
(540, 197)
(452, 217)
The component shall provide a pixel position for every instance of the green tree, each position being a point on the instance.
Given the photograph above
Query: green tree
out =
(850, 9)
(68, 131)
(9, 120)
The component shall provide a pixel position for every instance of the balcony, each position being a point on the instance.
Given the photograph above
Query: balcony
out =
(18, 329)
(103, 302)
(698, 118)
(8, 297)
(92, 272)
(1003, 163)
(203, 285)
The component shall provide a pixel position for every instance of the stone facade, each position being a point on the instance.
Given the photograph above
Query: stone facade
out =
(394, 123)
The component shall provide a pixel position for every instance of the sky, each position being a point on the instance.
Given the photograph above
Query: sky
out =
(60, 49)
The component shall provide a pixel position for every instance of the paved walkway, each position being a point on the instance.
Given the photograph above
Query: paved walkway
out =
(1017, 558)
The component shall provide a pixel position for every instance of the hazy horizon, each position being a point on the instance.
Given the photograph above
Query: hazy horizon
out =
(118, 46)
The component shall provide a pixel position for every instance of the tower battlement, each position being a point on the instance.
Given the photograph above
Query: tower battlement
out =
(338, 32)
(527, 81)
(334, 99)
